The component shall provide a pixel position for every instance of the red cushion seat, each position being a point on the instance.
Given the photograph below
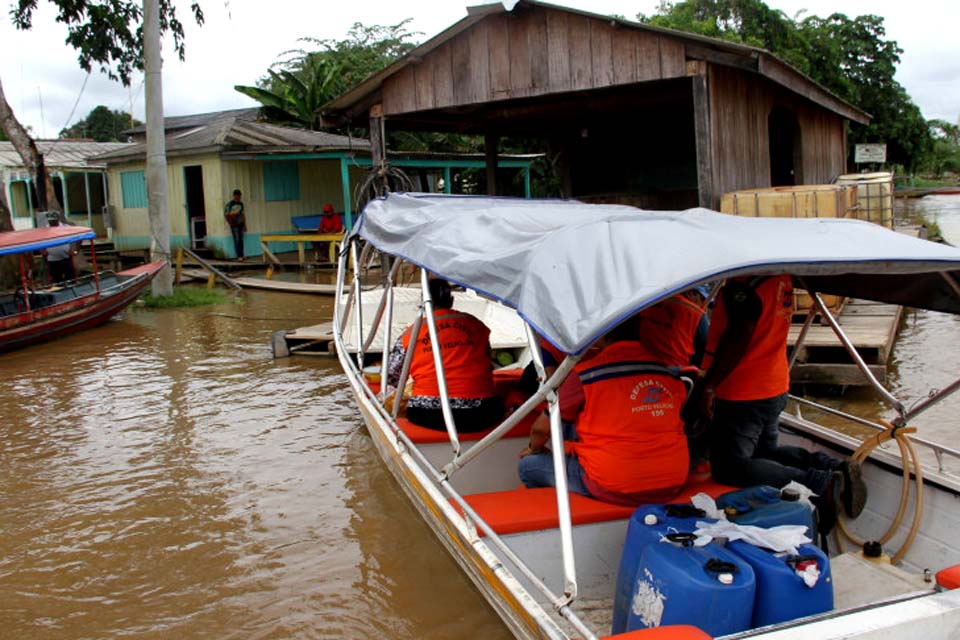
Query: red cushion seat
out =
(525, 509)
(422, 435)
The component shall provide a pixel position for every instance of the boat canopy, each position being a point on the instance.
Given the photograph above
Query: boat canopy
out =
(42, 238)
(574, 270)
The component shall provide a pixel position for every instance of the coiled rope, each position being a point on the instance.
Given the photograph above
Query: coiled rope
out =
(911, 465)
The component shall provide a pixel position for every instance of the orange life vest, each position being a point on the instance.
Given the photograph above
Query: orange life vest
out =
(630, 433)
(465, 348)
(667, 330)
(762, 371)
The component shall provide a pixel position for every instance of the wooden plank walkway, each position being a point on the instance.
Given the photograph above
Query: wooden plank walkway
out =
(271, 285)
(871, 326)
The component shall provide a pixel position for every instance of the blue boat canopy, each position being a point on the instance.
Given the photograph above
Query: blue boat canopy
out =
(575, 270)
(12, 242)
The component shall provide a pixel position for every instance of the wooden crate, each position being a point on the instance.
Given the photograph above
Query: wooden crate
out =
(805, 201)
(803, 302)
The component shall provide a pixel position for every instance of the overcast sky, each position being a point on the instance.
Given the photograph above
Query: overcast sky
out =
(241, 38)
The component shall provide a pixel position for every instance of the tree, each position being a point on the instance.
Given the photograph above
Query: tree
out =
(101, 125)
(945, 155)
(296, 87)
(103, 33)
(295, 98)
(850, 57)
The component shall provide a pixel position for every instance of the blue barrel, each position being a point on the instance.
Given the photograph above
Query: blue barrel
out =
(763, 506)
(781, 593)
(709, 587)
(647, 525)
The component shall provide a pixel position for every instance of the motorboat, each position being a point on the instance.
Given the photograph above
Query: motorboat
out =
(547, 560)
(38, 311)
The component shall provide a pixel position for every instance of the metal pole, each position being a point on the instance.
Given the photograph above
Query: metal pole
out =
(932, 400)
(559, 471)
(407, 359)
(438, 362)
(487, 441)
(951, 281)
(388, 329)
(338, 307)
(380, 307)
(852, 350)
(162, 283)
(358, 303)
(811, 315)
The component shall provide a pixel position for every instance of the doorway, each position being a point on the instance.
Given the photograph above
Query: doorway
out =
(196, 209)
(785, 158)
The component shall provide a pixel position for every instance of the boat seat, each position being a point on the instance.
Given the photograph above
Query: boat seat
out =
(666, 632)
(422, 435)
(522, 509)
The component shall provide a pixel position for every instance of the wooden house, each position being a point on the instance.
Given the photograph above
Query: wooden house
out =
(80, 184)
(282, 173)
(631, 113)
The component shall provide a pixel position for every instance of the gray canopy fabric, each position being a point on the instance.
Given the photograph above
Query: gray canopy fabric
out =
(575, 270)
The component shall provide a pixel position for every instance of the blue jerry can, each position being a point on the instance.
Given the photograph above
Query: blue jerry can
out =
(782, 594)
(765, 506)
(647, 525)
(678, 583)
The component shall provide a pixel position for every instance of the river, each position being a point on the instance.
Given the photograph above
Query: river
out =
(162, 476)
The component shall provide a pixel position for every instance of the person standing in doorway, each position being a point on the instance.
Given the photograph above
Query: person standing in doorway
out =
(233, 212)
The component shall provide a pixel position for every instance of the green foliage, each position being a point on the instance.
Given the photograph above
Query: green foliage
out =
(945, 154)
(108, 32)
(101, 125)
(296, 87)
(849, 57)
(189, 297)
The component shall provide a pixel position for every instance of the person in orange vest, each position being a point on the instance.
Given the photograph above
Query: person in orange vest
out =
(669, 328)
(745, 390)
(465, 348)
(629, 447)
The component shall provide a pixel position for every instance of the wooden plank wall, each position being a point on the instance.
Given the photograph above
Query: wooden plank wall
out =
(740, 103)
(533, 53)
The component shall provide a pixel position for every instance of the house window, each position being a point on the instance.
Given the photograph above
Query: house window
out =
(281, 181)
(134, 188)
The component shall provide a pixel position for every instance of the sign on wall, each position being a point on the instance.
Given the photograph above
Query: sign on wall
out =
(870, 153)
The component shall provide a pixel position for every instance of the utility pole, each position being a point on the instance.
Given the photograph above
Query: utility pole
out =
(159, 215)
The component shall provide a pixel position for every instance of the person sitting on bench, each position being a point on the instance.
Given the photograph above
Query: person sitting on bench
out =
(629, 445)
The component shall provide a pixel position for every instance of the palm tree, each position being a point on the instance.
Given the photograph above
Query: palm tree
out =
(295, 96)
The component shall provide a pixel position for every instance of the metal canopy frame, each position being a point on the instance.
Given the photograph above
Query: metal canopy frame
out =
(546, 392)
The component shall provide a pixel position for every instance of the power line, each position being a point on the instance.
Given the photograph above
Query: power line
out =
(79, 95)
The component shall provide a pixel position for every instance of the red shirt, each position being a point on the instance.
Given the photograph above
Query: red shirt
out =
(465, 348)
(667, 330)
(630, 433)
(330, 224)
(763, 370)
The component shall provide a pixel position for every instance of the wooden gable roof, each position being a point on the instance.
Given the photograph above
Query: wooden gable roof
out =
(539, 50)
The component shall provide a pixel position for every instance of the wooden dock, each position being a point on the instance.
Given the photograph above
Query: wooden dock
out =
(271, 285)
(315, 340)
(871, 326)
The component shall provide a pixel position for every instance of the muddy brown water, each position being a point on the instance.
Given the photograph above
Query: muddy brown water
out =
(162, 476)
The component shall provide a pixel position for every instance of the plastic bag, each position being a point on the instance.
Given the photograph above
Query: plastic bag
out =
(785, 537)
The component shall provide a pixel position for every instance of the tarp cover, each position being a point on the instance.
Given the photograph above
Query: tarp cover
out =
(575, 270)
(42, 238)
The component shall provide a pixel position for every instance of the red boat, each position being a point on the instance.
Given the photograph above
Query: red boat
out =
(39, 312)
